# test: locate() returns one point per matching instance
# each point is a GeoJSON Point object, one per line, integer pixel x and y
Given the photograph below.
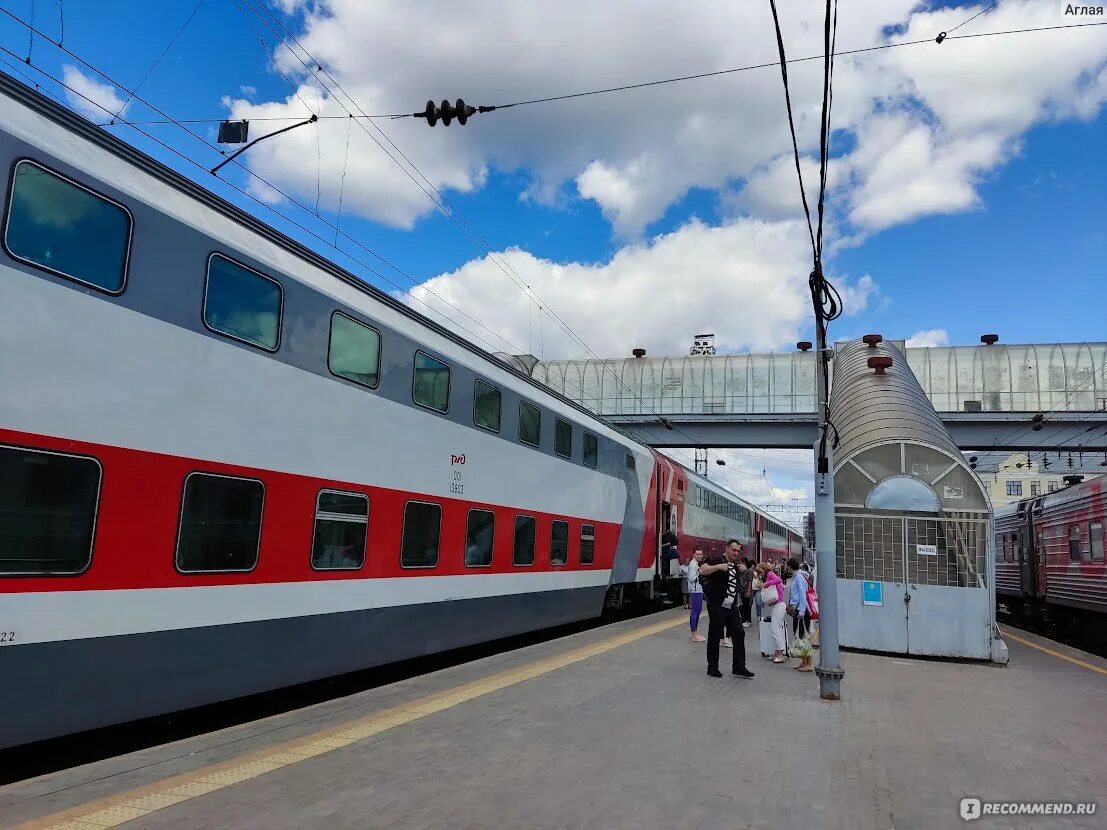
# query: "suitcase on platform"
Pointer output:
{"type": "Point", "coordinates": [765, 632]}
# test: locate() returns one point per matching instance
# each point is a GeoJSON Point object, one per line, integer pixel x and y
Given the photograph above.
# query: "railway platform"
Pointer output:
{"type": "Point", "coordinates": [620, 727]}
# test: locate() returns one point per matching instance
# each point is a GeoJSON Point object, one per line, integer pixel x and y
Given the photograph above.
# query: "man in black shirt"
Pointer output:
{"type": "Point", "coordinates": [719, 578]}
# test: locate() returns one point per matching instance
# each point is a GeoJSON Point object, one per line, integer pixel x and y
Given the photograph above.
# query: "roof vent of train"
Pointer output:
{"type": "Point", "coordinates": [1071, 480]}
{"type": "Point", "coordinates": [804, 345]}
{"type": "Point", "coordinates": [639, 353]}
{"type": "Point", "coordinates": [989, 339]}
{"type": "Point", "coordinates": [871, 340]}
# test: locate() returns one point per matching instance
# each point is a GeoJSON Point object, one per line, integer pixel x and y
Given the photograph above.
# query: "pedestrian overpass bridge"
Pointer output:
{"type": "Point", "coordinates": [1046, 396]}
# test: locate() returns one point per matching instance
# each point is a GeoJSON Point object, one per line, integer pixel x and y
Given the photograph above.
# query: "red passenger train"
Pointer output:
{"type": "Point", "coordinates": [229, 466]}
{"type": "Point", "coordinates": [1049, 553]}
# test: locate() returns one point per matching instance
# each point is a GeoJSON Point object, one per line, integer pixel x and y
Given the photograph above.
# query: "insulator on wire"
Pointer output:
{"type": "Point", "coordinates": [447, 112]}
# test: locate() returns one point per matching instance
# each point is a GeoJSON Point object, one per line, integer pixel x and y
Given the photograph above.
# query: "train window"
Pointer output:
{"type": "Point", "coordinates": [523, 553]}
{"type": "Point", "coordinates": [354, 351]}
{"type": "Point", "coordinates": [480, 530]}
{"type": "Point", "coordinates": [563, 437]}
{"type": "Point", "coordinates": [430, 385]}
{"type": "Point", "coordinates": [242, 303]}
{"type": "Point", "coordinates": [591, 450]}
{"type": "Point", "coordinates": [64, 228]}
{"type": "Point", "coordinates": [220, 524]}
{"type": "Point", "coordinates": [486, 406]}
{"type": "Point", "coordinates": [530, 423]}
{"type": "Point", "coordinates": [559, 543]}
{"type": "Point", "coordinates": [630, 462]}
{"type": "Point", "coordinates": [1074, 543]}
{"type": "Point", "coordinates": [1095, 541]}
{"type": "Point", "coordinates": [341, 524]}
{"type": "Point", "coordinates": [47, 511]}
{"type": "Point", "coordinates": [587, 544]}
{"type": "Point", "coordinates": [422, 529]}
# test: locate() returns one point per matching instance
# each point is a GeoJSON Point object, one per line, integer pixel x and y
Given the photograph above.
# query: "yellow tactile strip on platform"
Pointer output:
{"type": "Point", "coordinates": [127, 806]}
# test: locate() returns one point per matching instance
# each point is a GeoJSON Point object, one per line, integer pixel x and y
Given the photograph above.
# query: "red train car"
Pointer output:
{"type": "Point", "coordinates": [1050, 553]}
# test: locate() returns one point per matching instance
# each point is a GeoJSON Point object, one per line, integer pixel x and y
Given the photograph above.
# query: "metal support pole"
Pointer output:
{"type": "Point", "coordinates": [829, 671]}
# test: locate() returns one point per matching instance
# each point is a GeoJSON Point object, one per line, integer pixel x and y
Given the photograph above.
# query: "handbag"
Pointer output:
{"type": "Point", "coordinates": [812, 603]}
{"type": "Point", "coordinates": [769, 595]}
{"type": "Point", "coordinates": [790, 610]}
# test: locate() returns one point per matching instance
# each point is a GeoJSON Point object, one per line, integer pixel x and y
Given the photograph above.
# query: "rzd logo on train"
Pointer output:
{"type": "Point", "coordinates": [457, 459]}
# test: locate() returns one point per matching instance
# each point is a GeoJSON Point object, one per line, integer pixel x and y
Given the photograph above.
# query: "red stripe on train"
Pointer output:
{"type": "Point", "coordinates": [139, 513]}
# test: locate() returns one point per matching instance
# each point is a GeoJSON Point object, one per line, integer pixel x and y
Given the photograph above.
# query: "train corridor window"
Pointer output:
{"type": "Point", "coordinates": [341, 524]}
{"type": "Point", "coordinates": [523, 553]}
{"type": "Point", "coordinates": [631, 464]}
{"type": "Point", "coordinates": [48, 508]}
{"type": "Point", "coordinates": [1014, 488]}
{"type": "Point", "coordinates": [486, 406]}
{"type": "Point", "coordinates": [220, 524]}
{"type": "Point", "coordinates": [591, 450]}
{"type": "Point", "coordinates": [559, 543]}
{"type": "Point", "coordinates": [587, 544]}
{"type": "Point", "coordinates": [530, 423]}
{"type": "Point", "coordinates": [430, 385]}
{"type": "Point", "coordinates": [1095, 541]}
{"type": "Point", "coordinates": [354, 351]}
{"type": "Point", "coordinates": [422, 531]}
{"type": "Point", "coordinates": [480, 531]}
{"type": "Point", "coordinates": [1074, 543]}
{"type": "Point", "coordinates": [62, 227]}
{"type": "Point", "coordinates": [563, 437]}
{"type": "Point", "coordinates": [242, 303]}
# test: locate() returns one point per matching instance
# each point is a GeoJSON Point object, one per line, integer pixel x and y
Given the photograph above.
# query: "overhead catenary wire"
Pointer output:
{"type": "Point", "coordinates": [659, 82]}
{"type": "Point", "coordinates": [176, 36]}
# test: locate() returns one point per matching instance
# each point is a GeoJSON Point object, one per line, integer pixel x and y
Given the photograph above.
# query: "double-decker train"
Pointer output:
{"type": "Point", "coordinates": [229, 466]}
{"type": "Point", "coordinates": [1049, 554]}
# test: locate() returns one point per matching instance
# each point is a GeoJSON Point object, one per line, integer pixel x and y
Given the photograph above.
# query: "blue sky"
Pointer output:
{"type": "Point", "coordinates": [967, 195]}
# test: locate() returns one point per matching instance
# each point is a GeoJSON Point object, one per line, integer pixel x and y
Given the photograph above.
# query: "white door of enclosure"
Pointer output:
{"type": "Point", "coordinates": [913, 585]}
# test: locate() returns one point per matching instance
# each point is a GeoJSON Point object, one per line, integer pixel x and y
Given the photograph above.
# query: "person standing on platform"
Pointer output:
{"type": "Point", "coordinates": [775, 610]}
{"type": "Point", "coordinates": [797, 609]}
{"type": "Point", "coordinates": [719, 578]}
{"type": "Point", "coordinates": [691, 573]}
{"type": "Point", "coordinates": [745, 587]}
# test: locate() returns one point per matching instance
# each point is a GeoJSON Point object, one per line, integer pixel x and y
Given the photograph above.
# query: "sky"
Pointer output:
{"type": "Point", "coordinates": [964, 191]}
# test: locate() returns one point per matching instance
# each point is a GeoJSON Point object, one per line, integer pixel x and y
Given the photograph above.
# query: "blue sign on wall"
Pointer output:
{"type": "Point", "coordinates": [872, 593]}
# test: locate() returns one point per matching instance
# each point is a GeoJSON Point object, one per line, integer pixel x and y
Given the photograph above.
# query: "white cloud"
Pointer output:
{"type": "Point", "coordinates": [927, 122]}
{"type": "Point", "coordinates": [928, 338]}
{"type": "Point", "coordinates": [248, 91]}
{"type": "Point", "coordinates": [92, 99]}
{"type": "Point", "coordinates": [745, 280]}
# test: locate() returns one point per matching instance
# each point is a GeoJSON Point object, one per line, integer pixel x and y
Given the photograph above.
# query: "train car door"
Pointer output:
{"type": "Point", "coordinates": [1024, 553]}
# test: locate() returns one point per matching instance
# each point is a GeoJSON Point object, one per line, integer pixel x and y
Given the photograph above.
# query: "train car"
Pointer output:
{"type": "Point", "coordinates": [1050, 553]}
{"type": "Point", "coordinates": [229, 466]}
{"type": "Point", "coordinates": [705, 515]}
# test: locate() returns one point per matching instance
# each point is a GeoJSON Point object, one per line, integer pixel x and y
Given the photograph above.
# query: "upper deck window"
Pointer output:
{"type": "Point", "coordinates": [242, 303]}
{"type": "Point", "coordinates": [431, 383]}
{"type": "Point", "coordinates": [58, 225]}
{"type": "Point", "coordinates": [486, 406]}
{"type": "Point", "coordinates": [563, 437]}
{"type": "Point", "coordinates": [591, 450]}
{"type": "Point", "coordinates": [530, 423]}
{"type": "Point", "coordinates": [355, 351]}
{"type": "Point", "coordinates": [47, 511]}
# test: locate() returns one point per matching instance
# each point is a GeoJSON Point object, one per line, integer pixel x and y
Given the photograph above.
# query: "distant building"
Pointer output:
{"type": "Point", "coordinates": [1017, 478]}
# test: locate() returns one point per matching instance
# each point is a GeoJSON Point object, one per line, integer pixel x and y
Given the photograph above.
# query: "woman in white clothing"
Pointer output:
{"type": "Point", "coordinates": [768, 578]}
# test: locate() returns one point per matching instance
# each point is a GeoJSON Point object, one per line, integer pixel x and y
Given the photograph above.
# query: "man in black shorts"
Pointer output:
{"type": "Point", "coordinates": [719, 578]}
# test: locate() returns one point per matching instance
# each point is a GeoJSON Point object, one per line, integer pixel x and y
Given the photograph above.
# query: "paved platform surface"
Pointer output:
{"type": "Point", "coordinates": [619, 727]}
